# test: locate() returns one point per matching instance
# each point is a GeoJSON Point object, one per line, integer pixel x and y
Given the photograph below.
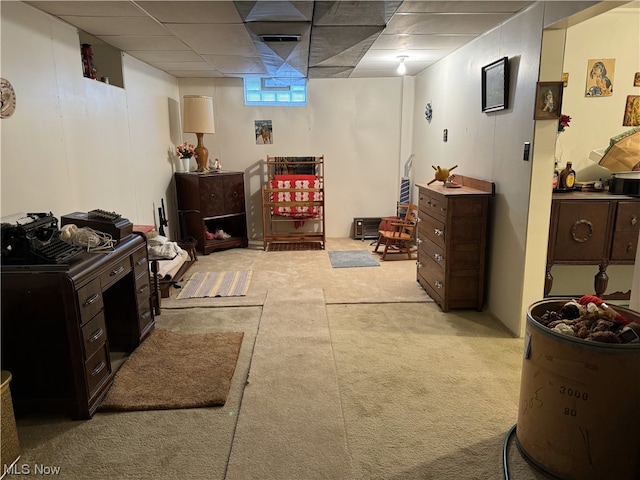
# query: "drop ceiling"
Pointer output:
{"type": "Point", "coordinates": [322, 39]}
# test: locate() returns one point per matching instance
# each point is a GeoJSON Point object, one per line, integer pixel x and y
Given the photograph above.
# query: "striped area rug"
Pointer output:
{"type": "Point", "coordinates": [216, 284]}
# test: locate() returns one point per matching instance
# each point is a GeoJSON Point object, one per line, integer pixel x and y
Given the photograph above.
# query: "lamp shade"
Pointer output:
{"type": "Point", "coordinates": [198, 114]}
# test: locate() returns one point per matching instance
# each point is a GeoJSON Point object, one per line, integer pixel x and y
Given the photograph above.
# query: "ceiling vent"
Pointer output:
{"type": "Point", "coordinates": [280, 38]}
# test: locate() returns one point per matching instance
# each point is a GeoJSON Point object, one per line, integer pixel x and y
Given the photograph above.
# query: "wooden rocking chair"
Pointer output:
{"type": "Point", "coordinates": [400, 235]}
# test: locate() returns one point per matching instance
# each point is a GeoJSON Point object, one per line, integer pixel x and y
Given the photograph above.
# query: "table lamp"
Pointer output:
{"type": "Point", "coordinates": [198, 119]}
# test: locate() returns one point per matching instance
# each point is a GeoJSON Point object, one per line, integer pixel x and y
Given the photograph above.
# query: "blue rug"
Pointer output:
{"type": "Point", "coordinates": [352, 258]}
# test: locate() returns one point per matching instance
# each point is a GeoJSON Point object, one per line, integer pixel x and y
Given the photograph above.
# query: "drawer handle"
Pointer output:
{"type": "Point", "coordinates": [438, 232]}
{"type": "Point", "coordinates": [145, 315]}
{"type": "Point", "coordinates": [143, 288]}
{"type": "Point", "coordinates": [141, 261]}
{"type": "Point", "coordinates": [574, 231]}
{"type": "Point", "coordinates": [118, 270]}
{"type": "Point", "coordinates": [629, 247]}
{"type": "Point", "coordinates": [634, 220]}
{"type": "Point", "coordinates": [212, 196]}
{"type": "Point", "coordinates": [418, 219]}
{"type": "Point", "coordinates": [437, 284]}
{"type": "Point", "coordinates": [418, 241]}
{"type": "Point", "coordinates": [91, 299]}
{"type": "Point", "coordinates": [98, 369]}
{"type": "Point", "coordinates": [437, 256]}
{"type": "Point", "coordinates": [235, 194]}
{"type": "Point", "coordinates": [418, 264]}
{"type": "Point", "coordinates": [96, 335]}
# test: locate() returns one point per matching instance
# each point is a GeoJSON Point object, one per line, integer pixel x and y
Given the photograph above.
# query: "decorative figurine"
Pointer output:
{"type": "Point", "coordinates": [216, 164]}
{"type": "Point", "coordinates": [442, 174]}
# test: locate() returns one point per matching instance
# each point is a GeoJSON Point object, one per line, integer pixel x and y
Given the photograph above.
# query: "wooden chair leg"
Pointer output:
{"type": "Point", "coordinates": [378, 244]}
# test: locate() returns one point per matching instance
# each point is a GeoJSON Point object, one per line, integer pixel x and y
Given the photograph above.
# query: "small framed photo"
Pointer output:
{"type": "Point", "coordinates": [548, 101]}
{"type": "Point", "coordinates": [632, 111]}
{"type": "Point", "coordinates": [495, 85]}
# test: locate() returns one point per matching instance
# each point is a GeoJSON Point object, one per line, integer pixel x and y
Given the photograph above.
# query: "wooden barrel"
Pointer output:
{"type": "Point", "coordinates": [578, 413]}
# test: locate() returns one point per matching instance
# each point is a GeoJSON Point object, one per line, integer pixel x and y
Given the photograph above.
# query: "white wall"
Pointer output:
{"type": "Point", "coordinates": [76, 144]}
{"type": "Point", "coordinates": [354, 123]}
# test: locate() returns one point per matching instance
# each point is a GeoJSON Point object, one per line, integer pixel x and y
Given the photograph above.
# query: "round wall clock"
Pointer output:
{"type": "Point", "coordinates": [7, 98]}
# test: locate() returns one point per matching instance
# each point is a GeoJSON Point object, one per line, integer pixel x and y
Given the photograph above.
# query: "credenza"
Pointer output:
{"type": "Point", "coordinates": [593, 228]}
{"type": "Point", "coordinates": [213, 201]}
{"type": "Point", "coordinates": [452, 236]}
{"type": "Point", "coordinates": [63, 325]}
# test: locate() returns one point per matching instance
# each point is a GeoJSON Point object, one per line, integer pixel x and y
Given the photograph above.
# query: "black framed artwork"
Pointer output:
{"type": "Point", "coordinates": [548, 101]}
{"type": "Point", "coordinates": [495, 85]}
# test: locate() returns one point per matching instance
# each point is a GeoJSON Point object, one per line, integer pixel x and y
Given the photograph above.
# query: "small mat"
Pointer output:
{"type": "Point", "coordinates": [216, 284]}
{"type": "Point", "coordinates": [176, 370]}
{"type": "Point", "coordinates": [293, 246]}
{"type": "Point", "coordinates": [352, 258]}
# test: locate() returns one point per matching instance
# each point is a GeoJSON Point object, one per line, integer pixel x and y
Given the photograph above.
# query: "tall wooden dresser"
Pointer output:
{"type": "Point", "coordinates": [452, 233]}
{"type": "Point", "coordinates": [213, 201]}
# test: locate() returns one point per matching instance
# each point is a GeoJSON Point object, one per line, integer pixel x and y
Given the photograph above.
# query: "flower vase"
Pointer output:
{"type": "Point", "coordinates": [557, 153]}
{"type": "Point", "coordinates": [186, 163]}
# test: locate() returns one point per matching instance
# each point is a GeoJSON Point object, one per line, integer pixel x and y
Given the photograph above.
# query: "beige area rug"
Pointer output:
{"type": "Point", "coordinates": [216, 284]}
{"type": "Point", "coordinates": [176, 370]}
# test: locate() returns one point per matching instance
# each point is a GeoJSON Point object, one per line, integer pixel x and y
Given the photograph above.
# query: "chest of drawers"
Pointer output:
{"type": "Point", "coordinates": [213, 201]}
{"type": "Point", "coordinates": [452, 232]}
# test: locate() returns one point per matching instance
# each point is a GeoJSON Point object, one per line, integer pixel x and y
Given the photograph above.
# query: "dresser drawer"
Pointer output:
{"type": "Point", "coordinates": [90, 300]}
{"type": "Point", "coordinates": [433, 205]}
{"type": "Point", "coordinates": [140, 261]}
{"type": "Point", "coordinates": [582, 231]}
{"type": "Point", "coordinates": [115, 273]}
{"type": "Point", "coordinates": [94, 335]}
{"type": "Point", "coordinates": [428, 249]}
{"type": "Point", "coordinates": [97, 369]}
{"type": "Point", "coordinates": [432, 229]}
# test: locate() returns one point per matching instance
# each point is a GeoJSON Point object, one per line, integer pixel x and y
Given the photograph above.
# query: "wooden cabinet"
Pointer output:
{"type": "Point", "coordinates": [452, 232]}
{"type": "Point", "coordinates": [592, 229]}
{"type": "Point", "coordinates": [62, 323]}
{"type": "Point", "coordinates": [213, 201]}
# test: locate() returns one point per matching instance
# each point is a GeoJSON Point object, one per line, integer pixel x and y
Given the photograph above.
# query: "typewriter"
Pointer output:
{"type": "Point", "coordinates": [34, 239]}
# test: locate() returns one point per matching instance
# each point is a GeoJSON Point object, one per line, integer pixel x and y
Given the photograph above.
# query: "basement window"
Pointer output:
{"type": "Point", "coordinates": [275, 91]}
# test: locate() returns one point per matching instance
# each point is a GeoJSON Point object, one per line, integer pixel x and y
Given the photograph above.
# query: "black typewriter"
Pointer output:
{"type": "Point", "coordinates": [34, 239]}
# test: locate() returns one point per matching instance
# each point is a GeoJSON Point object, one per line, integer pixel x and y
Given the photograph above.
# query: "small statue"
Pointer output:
{"type": "Point", "coordinates": [442, 174]}
{"type": "Point", "coordinates": [216, 164]}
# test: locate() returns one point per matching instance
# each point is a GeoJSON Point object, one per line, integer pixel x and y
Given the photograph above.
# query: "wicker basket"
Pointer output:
{"type": "Point", "coordinates": [10, 447]}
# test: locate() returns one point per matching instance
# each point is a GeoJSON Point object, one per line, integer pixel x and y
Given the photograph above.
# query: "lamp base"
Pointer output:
{"type": "Point", "coordinates": [202, 154]}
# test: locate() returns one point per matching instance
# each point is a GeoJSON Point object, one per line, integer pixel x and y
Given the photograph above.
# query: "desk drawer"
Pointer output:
{"type": "Point", "coordinates": [143, 286]}
{"type": "Point", "coordinates": [145, 315]}
{"type": "Point", "coordinates": [115, 273]}
{"type": "Point", "coordinates": [428, 249]}
{"type": "Point", "coordinates": [140, 261]}
{"type": "Point", "coordinates": [90, 300]}
{"type": "Point", "coordinates": [97, 369]}
{"type": "Point", "coordinates": [94, 335]}
{"type": "Point", "coordinates": [433, 205]}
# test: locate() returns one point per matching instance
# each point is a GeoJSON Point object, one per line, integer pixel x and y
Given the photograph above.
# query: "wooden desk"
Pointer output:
{"type": "Point", "coordinates": [62, 323]}
{"type": "Point", "coordinates": [593, 228]}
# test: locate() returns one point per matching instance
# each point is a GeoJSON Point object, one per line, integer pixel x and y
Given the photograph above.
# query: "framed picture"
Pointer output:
{"type": "Point", "coordinates": [600, 77]}
{"type": "Point", "coordinates": [495, 85]}
{"type": "Point", "coordinates": [632, 111]}
{"type": "Point", "coordinates": [548, 101]}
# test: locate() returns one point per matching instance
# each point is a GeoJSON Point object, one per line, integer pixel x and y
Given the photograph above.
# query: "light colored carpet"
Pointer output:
{"type": "Point", "coordinates": [354, 376]}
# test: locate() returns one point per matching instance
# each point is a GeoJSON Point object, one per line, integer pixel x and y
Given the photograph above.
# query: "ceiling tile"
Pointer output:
{"type": "Point", "coordinates": [160, 56]}
{"type": "Point", "coordinates": [422, 23]}
{"type": "Point", "coordinates": [192, 12]}
{"type": "Point", "coordinates": [140, 42]}
{"type": "Point", "coordinates": [440, 42]}
{"type": "Point", "coordinates": [98, 26]}
{"type": "Point", "coordinates": [233, 65]}
{"type": "Point", "coordinates": [216, 39]}
{"type": "Point", "coordinates": [90, 9]}
{"type": "Point", "coordinates": [462, 7]}
{"type": "Point", "coordinates": [280, 10]}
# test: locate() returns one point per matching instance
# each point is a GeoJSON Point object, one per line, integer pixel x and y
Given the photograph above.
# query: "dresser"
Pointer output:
{"type": "Point", "coordinates": [213, 201]}
{"type": "Point", "coordinates": [593, 228]}
{"type": "Point", "coordinates": [62, 325]}
{"type": "Point", "coordinates": [452, 237]}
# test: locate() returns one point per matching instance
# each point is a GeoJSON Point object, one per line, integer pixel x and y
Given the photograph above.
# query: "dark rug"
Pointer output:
{"type": "Point", "coordinates": [352, 258]}
{"type": "Point", "coordinates": [293, 246]}
{"type": "Point", "coordinates": [176, 370]}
